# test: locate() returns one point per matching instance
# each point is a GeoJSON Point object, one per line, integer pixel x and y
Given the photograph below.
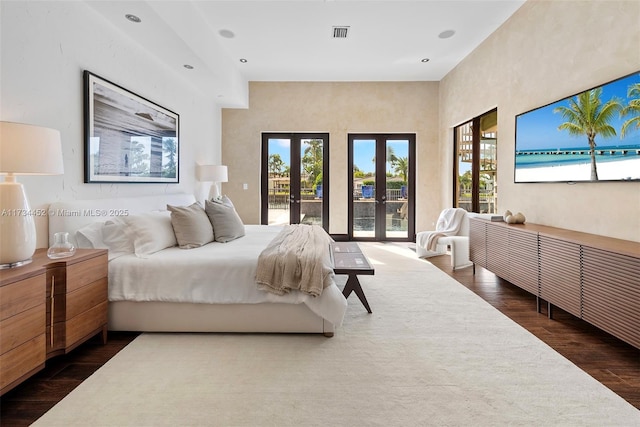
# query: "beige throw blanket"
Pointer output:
{"type": "Point", "coordinates": [296, 259]}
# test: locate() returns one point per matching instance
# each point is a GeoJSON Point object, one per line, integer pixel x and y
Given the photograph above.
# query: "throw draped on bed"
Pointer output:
{"type": "Point", "coordinates": [296, 259]}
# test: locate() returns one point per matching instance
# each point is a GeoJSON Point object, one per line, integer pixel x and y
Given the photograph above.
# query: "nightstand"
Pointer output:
{"type": "Point", "coordinates": [49, 307]}
{"type": "Point", "coordinates": [76, 300]}
{"type": "Point", "coordinates": [22, 323]}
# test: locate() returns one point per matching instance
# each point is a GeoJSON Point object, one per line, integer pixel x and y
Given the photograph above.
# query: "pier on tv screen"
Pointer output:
{"type": "Point", "coordinates": [592, 136]}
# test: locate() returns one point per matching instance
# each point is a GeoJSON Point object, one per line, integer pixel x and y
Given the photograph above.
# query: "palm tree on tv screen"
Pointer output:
{"type": "Point", "coordinates": [631, 109]}
{"type": "Point", "coordinates": [587, 115]}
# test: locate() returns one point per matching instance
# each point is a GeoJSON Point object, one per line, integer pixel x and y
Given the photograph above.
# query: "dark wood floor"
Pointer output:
{"type": "Point", "coordinates": [609, 360]}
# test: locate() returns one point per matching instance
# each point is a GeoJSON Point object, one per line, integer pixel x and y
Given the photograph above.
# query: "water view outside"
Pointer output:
{"type": "Point", "coordinates": [283, 197]}
{"type": "Point", "coordinates": [367, 198]}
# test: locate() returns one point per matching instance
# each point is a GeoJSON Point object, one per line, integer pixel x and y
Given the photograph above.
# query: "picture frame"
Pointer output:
{"type": "Point", "coordinates": [128, 139]}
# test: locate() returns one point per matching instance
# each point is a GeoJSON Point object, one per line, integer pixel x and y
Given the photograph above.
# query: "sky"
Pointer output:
{"type": "Point", "coordinates": [538, 129]}
{"type": "Point", "coordinates": [364, 151]}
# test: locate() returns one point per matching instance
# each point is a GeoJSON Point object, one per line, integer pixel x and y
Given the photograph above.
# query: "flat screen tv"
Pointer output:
{"type": "Point", "coordinates": [592, 136]}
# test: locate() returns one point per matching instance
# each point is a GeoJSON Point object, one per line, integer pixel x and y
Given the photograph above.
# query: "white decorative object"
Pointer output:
{"type": "Point", "coordinates": [24, 150]}
{"type": "Point", "coordinates": [214, 174]}
{"type": "Point", "coordinates": [511, 218]}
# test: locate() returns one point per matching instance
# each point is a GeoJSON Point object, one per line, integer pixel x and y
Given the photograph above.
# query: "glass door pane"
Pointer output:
{"type": "Point", "coordinates": [464, 184]}
{"type": "Point", "coordinates": [295, 179]}
{"type": "Point", "coordinates": [383, 176]}
{"type": "Point", "coordinates": [488, 166]}
{"type": "Point", "coordinates": [279, 188]}
{"type": "Point", "coordinates": [364, 181]}
{"type": "Point", "coordinates": [396, 198]}
{"type": "Point", "coordinates": [476, 144]}
{"type": "Point", "coordinates": [311, 167]}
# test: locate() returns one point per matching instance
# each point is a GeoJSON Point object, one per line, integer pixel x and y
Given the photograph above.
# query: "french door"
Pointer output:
{"type": "Point", "coordinates": [381, 187]}
{"type": "Point", "coordinates": [295, 179]}
{"type": "Point", "coordinates": [475, 164]}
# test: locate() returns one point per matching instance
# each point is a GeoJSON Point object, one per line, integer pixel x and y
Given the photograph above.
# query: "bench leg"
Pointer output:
{"type": "Point", "coordinates": [353, 285]}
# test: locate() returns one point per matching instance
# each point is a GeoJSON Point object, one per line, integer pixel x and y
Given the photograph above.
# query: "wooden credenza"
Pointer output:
{"type": "Point", "coordinates": [593, 277]}
{"type": "Point", "coordinates": [49, 307]}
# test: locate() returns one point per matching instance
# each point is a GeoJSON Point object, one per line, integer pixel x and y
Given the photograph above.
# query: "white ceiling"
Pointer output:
{"type": "Point", "coordinates": [292, 40]}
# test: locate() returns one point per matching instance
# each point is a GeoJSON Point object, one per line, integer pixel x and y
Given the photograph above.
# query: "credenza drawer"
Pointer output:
{"type": "Point", "coordinates": [86, 323]}
{"type": "Point", "coordinates": [22, 327]}
{"type": "Point", "coordinates": [22, 360]}
{"type": "Point", "coordinates": [21, 296]}
{"type": "Point", "coordinates": [86, 298]}
{"type": "Point", "coordinates": [83, 273]}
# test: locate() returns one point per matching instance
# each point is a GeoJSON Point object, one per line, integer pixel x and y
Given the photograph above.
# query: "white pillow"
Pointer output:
{"type": "Point", "coordinates": [90, 236]}
{"type": "Point", "coordinates": [117, 238]}
{"type": "Point", "coordinates": [151, 231]}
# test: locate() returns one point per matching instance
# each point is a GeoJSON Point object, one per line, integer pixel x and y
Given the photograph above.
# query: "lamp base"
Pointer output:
{"type": "Point", "coordinates": [15, 264]}
{"type": "Point", "coordinates": [214, 191]}
{"type": "Point", "coordinates": [17, 225]}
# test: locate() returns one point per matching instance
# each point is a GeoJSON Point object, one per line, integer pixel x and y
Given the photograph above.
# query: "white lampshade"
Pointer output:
{"type": "Point", "coordinates": [24, 150]}
{"type": "Point", "coordinates": [211, 173]}
{"type": "Point", "coordinates": [214, 174]}
{"type": "Point", "coordinates": [29, 150]}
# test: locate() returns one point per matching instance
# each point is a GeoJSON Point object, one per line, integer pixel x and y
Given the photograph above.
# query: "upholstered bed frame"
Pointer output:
{"type": "Point", "coordinates": [180, 317]}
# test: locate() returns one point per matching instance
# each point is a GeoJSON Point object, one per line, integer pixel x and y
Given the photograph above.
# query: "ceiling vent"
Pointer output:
{"type": "Point", "coordinates": [340, 32]}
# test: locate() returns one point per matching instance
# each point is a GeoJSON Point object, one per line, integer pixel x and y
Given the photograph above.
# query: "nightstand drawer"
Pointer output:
{"type": "Point", "coordinates": [86, 298]}
{"type": "Point", "coordinates": [21, 296]}
{"type": "Point", "coordinates": [86, 324]}
{"type": "Point", "coordinates": [22, 361]}
{"type": "Point", "coordinates": [83, 273]}
{"type": "Point", "coordinates": [22, 327]}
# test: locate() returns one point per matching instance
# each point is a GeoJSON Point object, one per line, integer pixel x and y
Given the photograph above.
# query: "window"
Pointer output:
{"type": "Point", "coordinates": [475, 166]}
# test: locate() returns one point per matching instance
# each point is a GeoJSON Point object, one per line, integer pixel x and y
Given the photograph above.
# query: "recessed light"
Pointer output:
{"type": "Point", "coordinates": [446, 34]}
{"type": "Point", "coordinates": [188, 67]}
{"type": "Point", "coordinates": [133, 18]}
{"type": "Point", "coordinates": [424, 60]}
{"type": "Point", "coordinates": [227, 34]}
{"type": "Point", "coordinates": [244, 61]}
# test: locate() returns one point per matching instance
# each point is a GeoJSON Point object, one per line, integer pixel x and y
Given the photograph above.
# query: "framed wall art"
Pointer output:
{"type": "Point", "coordinates": [128, 139]}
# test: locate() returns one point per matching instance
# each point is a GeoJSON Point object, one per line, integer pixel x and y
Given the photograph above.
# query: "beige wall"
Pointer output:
{"type": "Point", "coordinates": [546, 51]}
{"type": "Point", "coordinates": [339, 109]}
{"type": "Point", "coordinates": [549, 50]}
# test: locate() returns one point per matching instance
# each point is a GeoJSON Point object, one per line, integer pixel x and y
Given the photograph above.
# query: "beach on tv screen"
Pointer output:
{"type": "Point", "coordinates": [590, 136]}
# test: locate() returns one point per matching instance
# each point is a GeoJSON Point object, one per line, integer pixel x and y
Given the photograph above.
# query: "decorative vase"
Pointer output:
{"type": "Point", "coordinates": [61, 247]}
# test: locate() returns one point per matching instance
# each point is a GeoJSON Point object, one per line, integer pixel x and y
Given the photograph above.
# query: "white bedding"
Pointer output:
{"type": "Point", "coordinates": [203, 275]}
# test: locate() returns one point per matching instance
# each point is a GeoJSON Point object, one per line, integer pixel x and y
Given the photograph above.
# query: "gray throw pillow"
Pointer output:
{"type": "Point", "coordinates": [191, 226]}
{"type": "Point", "coordinates": [226, 222]}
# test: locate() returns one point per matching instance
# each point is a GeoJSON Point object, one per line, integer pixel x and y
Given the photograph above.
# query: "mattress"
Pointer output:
{"type": "Point", "coordinates": [216, 273]}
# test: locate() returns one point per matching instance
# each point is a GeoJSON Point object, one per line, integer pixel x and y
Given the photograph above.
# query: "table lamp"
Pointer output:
{"type": "Point", "coordinates": [24, 150]}
{"type": "Point", "coordinates": [214, 174]}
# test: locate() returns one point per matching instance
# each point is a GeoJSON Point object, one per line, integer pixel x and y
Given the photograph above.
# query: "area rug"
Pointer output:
{"type": "Point", "coordinates": [432, 353]}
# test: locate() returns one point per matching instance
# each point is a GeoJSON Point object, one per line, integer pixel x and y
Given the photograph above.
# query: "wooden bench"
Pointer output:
{"type": "Point", "coordinates": [349, 259]}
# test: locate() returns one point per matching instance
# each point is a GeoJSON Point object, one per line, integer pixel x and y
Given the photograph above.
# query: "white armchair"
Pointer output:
{"type": "Point", "coordinates": [452, 230]}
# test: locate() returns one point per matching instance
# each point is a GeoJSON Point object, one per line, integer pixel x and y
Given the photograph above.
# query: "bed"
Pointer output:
{"type": "Point", "coordinates": [169, 290]}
